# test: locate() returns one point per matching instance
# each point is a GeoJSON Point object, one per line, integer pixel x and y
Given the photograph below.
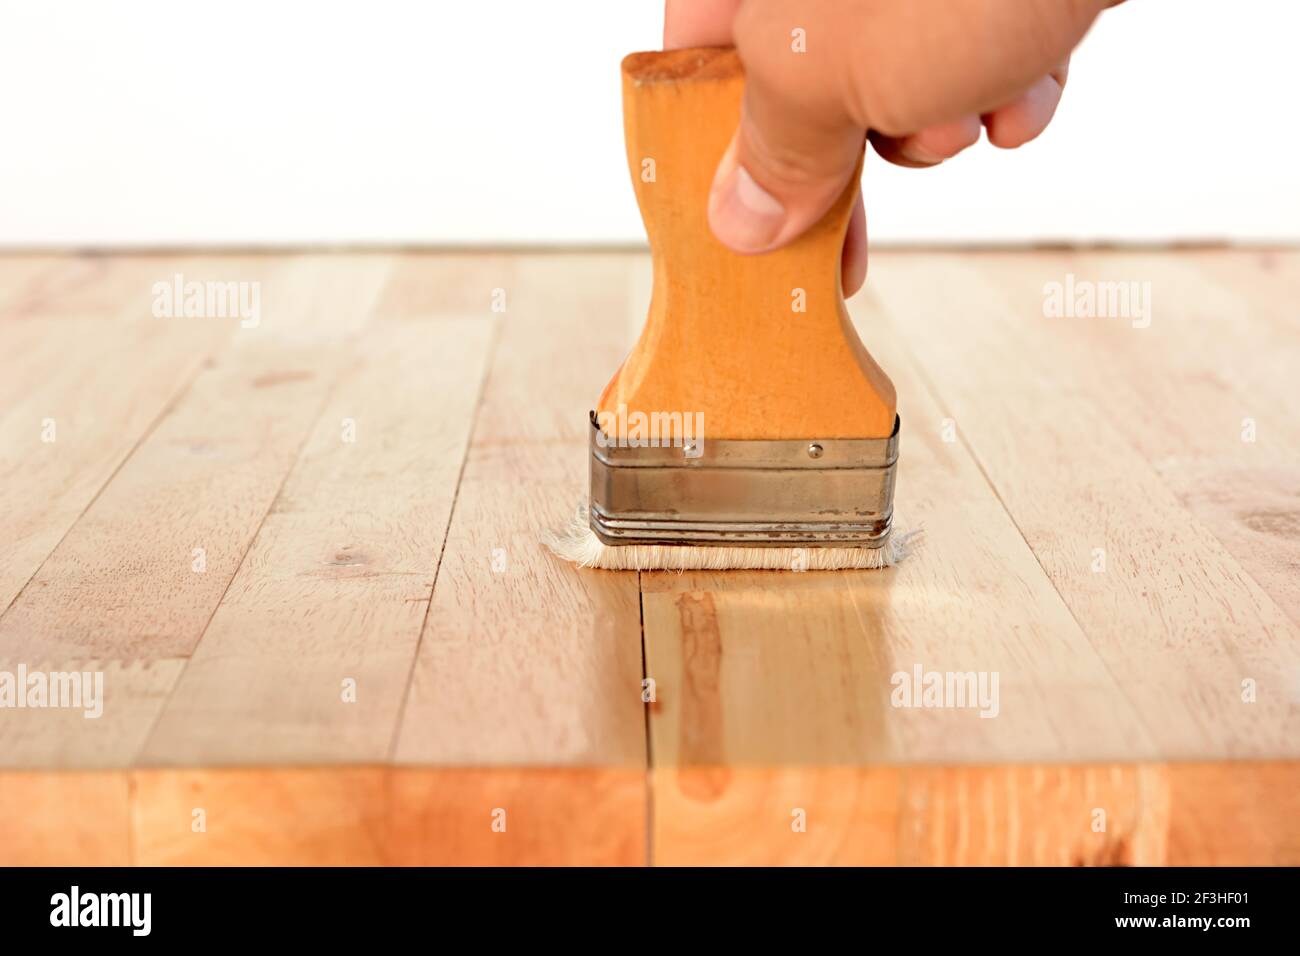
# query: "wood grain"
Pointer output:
{"type": "Point", "coordinates": [21, 278]}
{"type": "Point", "coordinates": [805, 670]}
{"type": "Point", "coordinates": [516, 685]}
{"type": "Point", "coordinates": [123, 592]}
{"type": "Point", "coordinates": [1063, 815]}
{"type": "Point", "coordinates": [65, 818]}
{"type": "Point", "coordinates": [70, 420]}
{"type": "Point", "coordinates": [526, 660]}
{"type": "Point", "coordinates": [802, 678]}
{"type": "Point", "coordinates": [1225, 338]}
{"type": "Point", "coordinates": [319, 627]}
{"type": "Point", "coordinates": [373, 816]}
{"type": "Point", "coordinates": [123, 583]}
{"type": "Point", "coordinates": [1174, 616]}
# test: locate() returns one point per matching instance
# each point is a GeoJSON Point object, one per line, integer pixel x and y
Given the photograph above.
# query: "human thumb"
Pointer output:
{"type": "Point", "coordinates": [793, 152]}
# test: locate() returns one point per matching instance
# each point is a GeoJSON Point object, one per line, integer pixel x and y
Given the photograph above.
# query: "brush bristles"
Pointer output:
{"type": "Point", "coordinates": [578, 544]}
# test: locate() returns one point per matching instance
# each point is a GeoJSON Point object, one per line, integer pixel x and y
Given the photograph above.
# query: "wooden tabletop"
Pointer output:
{"type": "Point", "coordinates": [304, 555]}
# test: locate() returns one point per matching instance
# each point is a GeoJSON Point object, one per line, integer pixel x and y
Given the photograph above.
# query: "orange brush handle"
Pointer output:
{"type": "Point", "coordinates": [761, 346]}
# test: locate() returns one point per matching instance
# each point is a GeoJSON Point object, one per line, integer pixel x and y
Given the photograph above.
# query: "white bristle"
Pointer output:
{"type": "Point", "coordinates": [578, 544]}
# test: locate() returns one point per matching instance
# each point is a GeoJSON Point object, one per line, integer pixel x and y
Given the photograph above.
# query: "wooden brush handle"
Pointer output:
{"type": "Point", "coordinates": [724, 336]}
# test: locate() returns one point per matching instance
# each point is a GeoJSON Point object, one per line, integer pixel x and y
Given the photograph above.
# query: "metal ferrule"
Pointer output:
{"type": "Point", "coordinates": [836, 492]}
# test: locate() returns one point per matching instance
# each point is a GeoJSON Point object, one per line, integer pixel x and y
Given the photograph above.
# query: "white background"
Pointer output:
{"type": "Point", "coordinates": [230, 122]}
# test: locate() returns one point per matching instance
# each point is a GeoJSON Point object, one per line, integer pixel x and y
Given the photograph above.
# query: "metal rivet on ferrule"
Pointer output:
{"type": "Point", "coordinates": [814, 450]}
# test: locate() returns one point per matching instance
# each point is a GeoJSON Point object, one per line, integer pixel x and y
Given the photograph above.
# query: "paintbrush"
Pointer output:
{"type": "Point", "coordinates": [749, 427]}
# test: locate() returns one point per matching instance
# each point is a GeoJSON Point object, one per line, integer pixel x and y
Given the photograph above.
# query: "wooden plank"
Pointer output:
{"type": "Point", "coordinates": [319, 628]}
{"type": "Point", "coordinates": [85, 283]}
{"type": "Point", "coordinates": [293, 817]}
{"type": "Point", "coordinates": [1235, 814]}
{"type": "Point", "coordinates": [525, 660]}
{"type": "Point", "coordinates": [790, 679]}
{"type": "Point", "coordinates": [748, 705]}
{"type": "Point", "coordinates": [552, 816]}
{"type": "Point", "coordinates": [103, 731]}
{"type": "Point", "coordinates": [121, 593]}
{"type": "Point", "coordinates": [79, 818]}
{"type": "Point", "coordinates": [447, 284]}
{"type": "Point", "coordinates": [770, 698]}
{"type": "Point", "coordinates": [371, 816]}
{"type": "Point", "coordinates": [122, 583]}
{"type": "Point", "coordinates": [908, 816]}
{"type": "Point", "coordinates": [1180, 815]}
{"type": "Point", "coordinates": [800, 668]}
{"type": "Point", "coordinates": [20, 277]}
{"type": "Point", "coordinates": [1231, 353]}
{"type": "Point", "coordinates": [1178, 622]}
{"type": "Point", "coordinates": [72, 416]}
{"type": "Point", "coordinates": [1219, 814]}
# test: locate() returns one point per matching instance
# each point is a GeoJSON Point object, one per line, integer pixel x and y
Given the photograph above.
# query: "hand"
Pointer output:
{"type": "Point", "coordinates": [918, 78]}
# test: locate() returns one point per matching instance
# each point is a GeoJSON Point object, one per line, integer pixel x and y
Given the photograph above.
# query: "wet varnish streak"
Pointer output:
{"type": "Point", "coordinates": [701, 704]}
